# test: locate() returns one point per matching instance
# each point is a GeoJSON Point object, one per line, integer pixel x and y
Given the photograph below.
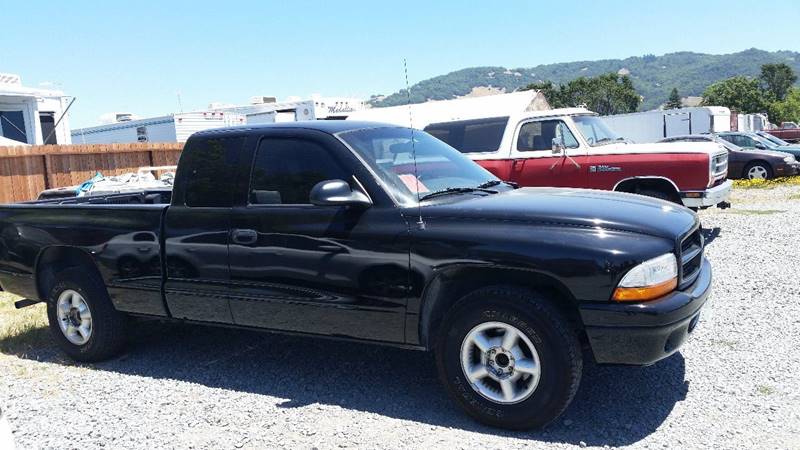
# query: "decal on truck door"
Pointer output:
{"type": "Point", "coordinates": [604, 168]}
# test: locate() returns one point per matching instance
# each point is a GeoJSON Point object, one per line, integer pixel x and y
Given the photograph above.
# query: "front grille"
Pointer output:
{"type": "Point", "coordinates": [691, 258]}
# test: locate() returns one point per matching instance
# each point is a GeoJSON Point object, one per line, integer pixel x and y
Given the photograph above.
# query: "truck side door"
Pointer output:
{"type": "Point", "coordinates": [196, 229]}
{"type": "Point", "coordinates": [535, 163]}
{"type": "Point", "coordinates": [299, 267]}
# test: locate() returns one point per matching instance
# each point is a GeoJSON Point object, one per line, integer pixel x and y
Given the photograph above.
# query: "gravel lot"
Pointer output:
{"type": "Point", "coordinates": [736, 384]}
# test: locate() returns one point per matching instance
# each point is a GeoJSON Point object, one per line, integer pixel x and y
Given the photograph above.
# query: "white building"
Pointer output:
{"type": "Point", "coordinates": [32, 116]}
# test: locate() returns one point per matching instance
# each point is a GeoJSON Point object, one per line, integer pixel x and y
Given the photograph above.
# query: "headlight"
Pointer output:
{"type": "Point", "coordinates": [650, 279]}
{"type": "Point", "coordinates": [789, 159]}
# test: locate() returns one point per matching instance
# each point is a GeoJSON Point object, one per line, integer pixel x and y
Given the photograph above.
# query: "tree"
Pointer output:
{"type": "Point", "coordinates": [605, 94]}
{"type": "Point", "coordinates": [739, 93]}
{"type": "Point", "coordinates": [777, 79]}
{"type": "Point", "coordinates": [787, 110]}
{"type": "Point", "coordinates": [674, 101]}
{"type": "Point", "coordinates": [550, 92]}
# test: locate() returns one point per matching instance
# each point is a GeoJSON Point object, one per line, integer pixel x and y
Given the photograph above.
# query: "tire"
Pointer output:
{"type": "Point", "coordinates": [80, 291]}
{"type": "Point", "coordinates": [758, 170]}
{"type": "Point", "coordinates": [539, 324]}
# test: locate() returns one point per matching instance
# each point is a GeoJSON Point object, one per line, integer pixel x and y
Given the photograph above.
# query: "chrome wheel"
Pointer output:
{"type": "Point", "coordinates": [500, 362]}
{"type": "Point", "coordinates": [74, 317]}
{"type": "Point", "coordinates": [757, 173]}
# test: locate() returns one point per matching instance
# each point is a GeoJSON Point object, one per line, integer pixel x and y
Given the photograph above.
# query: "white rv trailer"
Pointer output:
{"type": "Point", "coordinates": [31, 115]}
{"type": "Point", "coordinates": [171, 128]}
{"type": "Point", "coordinates": [424, 114]}
{"type": "Point", "coordinates": [266, 110]}
{"type": "Point", "coordinates": [751, 122]}
{"type": "Point", "coordinates": [178, 127]}
{"type": "Point", "coordinates": [652, 126]}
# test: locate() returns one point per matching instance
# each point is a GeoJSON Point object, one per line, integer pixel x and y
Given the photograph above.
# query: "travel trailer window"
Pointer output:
{"type": "Point", "coordinates": [48, 121]}
{"type": "Point", "coordinates": [539, 135]}
{"type": "Point", "coordinates": [12, 126]}
{"type": "Point", "coordinates": [471, 136]}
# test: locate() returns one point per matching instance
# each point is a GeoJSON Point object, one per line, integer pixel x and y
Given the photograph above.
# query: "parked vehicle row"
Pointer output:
{"type": "Point", "coordinates": [747, 162]}
{"type": "Point", "coordinates": [788, 131]}
{"type": "Point", "coordinates": [385, 234]}
{"type": "Point", "coordinates": [573, 147]}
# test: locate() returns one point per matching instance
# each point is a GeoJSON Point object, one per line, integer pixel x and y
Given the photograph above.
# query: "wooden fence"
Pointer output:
{"type": "Point", "coordinates": [26, 171]}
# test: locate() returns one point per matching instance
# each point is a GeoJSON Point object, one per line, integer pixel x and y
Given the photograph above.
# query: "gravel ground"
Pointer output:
{"type": "Point", "coordinates": [736, 384]}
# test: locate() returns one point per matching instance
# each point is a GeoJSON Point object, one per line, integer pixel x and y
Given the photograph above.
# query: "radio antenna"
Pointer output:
{"type": "Point", "coordinates": [420, 222]}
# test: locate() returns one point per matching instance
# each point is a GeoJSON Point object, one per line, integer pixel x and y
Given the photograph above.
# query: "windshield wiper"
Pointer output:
{"type": "Point", "coordinates": [493, 183]}
{"type": "Point", "coordinates": [456, 190]}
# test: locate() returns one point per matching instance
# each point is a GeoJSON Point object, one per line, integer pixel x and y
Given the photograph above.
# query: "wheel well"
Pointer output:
{"type": "Point", "coordinates": [637, 185]}
{"type": "Point", "coordinates": [444, 291]}
{"type": "Point", "coordinates": [56, 259]}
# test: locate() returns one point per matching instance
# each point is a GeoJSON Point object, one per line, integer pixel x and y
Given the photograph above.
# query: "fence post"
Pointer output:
{"type": "Point", "coordinates": [46, 171]}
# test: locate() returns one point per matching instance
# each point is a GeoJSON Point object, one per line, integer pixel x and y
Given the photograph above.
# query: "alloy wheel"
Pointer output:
{"type": "Point", "coordinates": [74, 317]}
{"type": "Point", "coordinates": [500, 362]}
{"type": "Point", "coordinates": [757, 173]}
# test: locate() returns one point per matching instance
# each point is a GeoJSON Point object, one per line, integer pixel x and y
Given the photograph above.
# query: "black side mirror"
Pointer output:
{"type": "Point", "coordinates": [760, 146]}
{"type": "Point", "coordinates": [338, 193]}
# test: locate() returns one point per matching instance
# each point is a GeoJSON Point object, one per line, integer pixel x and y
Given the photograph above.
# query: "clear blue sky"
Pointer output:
{"type": "Point", "coordinates": [135, 56]}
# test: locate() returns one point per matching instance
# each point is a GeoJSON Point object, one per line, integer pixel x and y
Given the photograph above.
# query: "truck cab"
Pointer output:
{"type": "Point", "coordinates": [573, 147]}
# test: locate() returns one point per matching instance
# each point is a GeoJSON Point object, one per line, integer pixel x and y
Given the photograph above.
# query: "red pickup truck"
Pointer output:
{"type": "Point", "coordinates": [573, 147]}
{"type": "Point", "coordinates": [789, 132]}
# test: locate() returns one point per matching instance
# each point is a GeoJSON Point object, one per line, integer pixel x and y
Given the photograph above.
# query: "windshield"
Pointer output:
{"type": "Point", "coordinates": [390, 154]}
{"type": "Point", "coordinates": [772, 138]}
{"type": "Point", "coordinates": [595, 131]}
{"type": "Point", "coordinates": [767, 143]}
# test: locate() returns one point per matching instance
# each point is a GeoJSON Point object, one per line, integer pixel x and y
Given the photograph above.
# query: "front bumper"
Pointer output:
{"type": "Point", "coordinates": [643, 333]}
{"type": "Point", "coordinates": [786, 170]}
{"type": "Point", "coordinates": [709, 197]}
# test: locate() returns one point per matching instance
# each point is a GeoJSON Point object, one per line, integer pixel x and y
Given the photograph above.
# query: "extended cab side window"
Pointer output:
{"type": "Point", "coordinates": [213, 171]}
{"type": "Point", "coordinates": [285, 171]}
{"type": "Point", "coordinates": [539, 135]}
{"type": "Point", "coordinates": [471, 136]}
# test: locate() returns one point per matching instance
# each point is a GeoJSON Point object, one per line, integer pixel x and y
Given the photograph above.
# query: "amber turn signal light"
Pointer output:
{"type": "Point", "coordinates": [641, 294]}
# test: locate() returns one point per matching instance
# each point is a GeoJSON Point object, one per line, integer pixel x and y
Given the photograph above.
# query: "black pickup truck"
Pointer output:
{"type": "Point", "coordinates": [374, 233]}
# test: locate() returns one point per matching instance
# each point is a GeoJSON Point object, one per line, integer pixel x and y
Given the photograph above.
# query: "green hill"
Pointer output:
{"type": "Point", "coordinates": [653, 76]}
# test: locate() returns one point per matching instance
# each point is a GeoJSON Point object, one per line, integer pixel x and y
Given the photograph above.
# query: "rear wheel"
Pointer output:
{"type": "Point", "coordinates": [758, 171]}
{"type": "Point", "coordinates": [509, 358]}
{"type": "Point", "coordinates": [82, 319]}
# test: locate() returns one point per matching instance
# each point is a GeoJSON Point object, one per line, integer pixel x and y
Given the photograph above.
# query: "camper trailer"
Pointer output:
{"type": "Point", "coordinates": [652, 126]}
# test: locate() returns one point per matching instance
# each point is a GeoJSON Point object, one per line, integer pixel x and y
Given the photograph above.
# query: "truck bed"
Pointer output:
{"type": "Point", "coordinates": [122, 233]}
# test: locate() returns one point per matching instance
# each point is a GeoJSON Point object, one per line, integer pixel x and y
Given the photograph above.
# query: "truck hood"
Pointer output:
{"type": "Point", "coordinates": [709, 148]}
{"type": "Point", "coordinates": [574, 207]}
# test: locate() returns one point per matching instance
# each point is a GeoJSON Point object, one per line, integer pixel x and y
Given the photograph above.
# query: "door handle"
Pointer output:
{"type": "Point", "coordinates": [244, 237]}
{"type": "Point", "coordinates": [517, 162]}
